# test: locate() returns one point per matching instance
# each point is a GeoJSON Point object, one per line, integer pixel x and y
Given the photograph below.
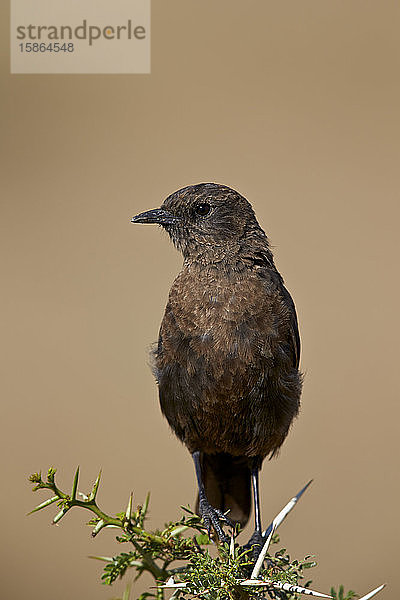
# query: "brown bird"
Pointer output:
{"type": "Point", "coordinates": [227, 361]}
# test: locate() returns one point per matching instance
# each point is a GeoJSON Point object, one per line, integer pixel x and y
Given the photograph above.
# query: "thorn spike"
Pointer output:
{"type": "Point", "coordinates": [98, 528]}
{"type": "Point", "coordinates": [44, 504]}
{"type": "Point", "coordinates": [127, 591]}
{"type": "Point", "coordinates": [261, 556]}
{"type": "Point", "coordinates": [285, 510]}
{"type": "Point", "coordinates": [93, 493]}
{"type": "Point", "coordinates": [75, 484]}
{"type": "Point", "coordinates": [145, 505]}
{"type": "Point", "coordinates": [232, 547]}
{"type": "Point", "coordinates": [128, 512]}
{"type": "Point", "coordinates": [60, 515]}
{"type": "Point", "coordinates": [301, 492]}
{"type": "Point", "coordinates": [289, 587]}
{"type": "Point", "coordinates": [371, 594]}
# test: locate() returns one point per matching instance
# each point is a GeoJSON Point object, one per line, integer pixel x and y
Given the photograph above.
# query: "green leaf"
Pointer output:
{"type": "Point", "coordinates": [51, 474]}
{"type": "Point", "coordinates": [202, 539]}
{"type": "Point", "coordinates": [309, 565]}
{"type": "Point", "coordinates": [35, 477]}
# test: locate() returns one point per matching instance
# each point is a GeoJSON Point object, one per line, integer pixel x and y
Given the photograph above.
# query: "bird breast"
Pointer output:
{"type": "Point", "coordinates": [224, 326]}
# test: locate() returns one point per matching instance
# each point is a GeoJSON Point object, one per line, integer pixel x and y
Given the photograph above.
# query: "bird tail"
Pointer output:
{"type": "Point", "coordinates": [227, 481]}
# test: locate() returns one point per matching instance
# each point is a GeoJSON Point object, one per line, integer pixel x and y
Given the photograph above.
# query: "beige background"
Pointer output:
{"type": "Point", "coordinates": [295, 104]}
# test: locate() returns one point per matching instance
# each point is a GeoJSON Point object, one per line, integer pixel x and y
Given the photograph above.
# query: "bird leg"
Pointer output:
{"type": "Point", "coordinates": [256, 540]}
{"type": "Point", "coordinates": [211, 516]}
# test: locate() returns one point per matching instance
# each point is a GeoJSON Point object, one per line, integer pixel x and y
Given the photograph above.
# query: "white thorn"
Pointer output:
{"type": "Point", "coordinates": [286, 509]}
{"type": "Point", "coordinates": [299, 590]}
{"type": "Point", "coordinates": [128, 512]}
{"type": "Point", "coordinates": [284, 586]}
{"type": "Point", "coordinates": [232, 547]}
{"type": "Point", "coordinates": [273, 526]}
{"type": "Point", "coordinates": [375, 591]}
{"type": "Point", "coordinates": [173, 585]}
{"type": "Point", "coordinates": [261, 556]}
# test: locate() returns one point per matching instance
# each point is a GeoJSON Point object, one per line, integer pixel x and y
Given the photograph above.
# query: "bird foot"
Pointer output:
{"type": "Point", "coordinates": [255, 544]}
{"type": "Point", "coordinates": [213, 517]}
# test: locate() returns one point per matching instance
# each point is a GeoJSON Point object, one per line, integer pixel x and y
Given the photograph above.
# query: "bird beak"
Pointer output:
{"type": "Point", "coordinates": [158, 215]}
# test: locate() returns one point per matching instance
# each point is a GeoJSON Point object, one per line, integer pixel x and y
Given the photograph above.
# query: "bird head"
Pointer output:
{"type": "Point", "coordinates": [207, 219]}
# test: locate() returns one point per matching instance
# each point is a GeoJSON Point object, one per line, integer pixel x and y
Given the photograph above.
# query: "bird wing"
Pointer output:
{"type": "Point", "coordinates": [262, 262]}
{"type": "Point", "coordinates": [294, 326]}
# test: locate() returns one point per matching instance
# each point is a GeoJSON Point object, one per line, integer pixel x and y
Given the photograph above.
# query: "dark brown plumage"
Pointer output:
{"type": "Point", "coordinates": [228, 353]}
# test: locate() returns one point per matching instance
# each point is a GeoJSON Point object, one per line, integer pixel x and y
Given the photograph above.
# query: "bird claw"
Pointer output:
{"type": "Point", "coordinates": [225, 518]}
{"type": "Point", "coordinates": [255, 544]}
{"type": "Point", "coordinates": [213, 517]}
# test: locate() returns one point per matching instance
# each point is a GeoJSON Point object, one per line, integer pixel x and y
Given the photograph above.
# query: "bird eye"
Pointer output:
{"type": "Point", "coordinates": [203, 209]}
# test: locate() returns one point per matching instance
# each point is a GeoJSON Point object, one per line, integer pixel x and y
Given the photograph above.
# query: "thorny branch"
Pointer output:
{"type": "Point", "coordinates": [230, 575]}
